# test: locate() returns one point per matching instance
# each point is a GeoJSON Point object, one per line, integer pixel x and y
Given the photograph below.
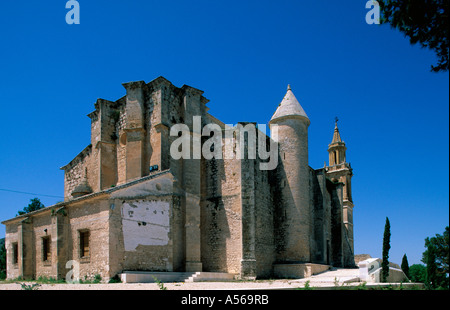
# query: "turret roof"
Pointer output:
{"type": "Point", "coordinates": [289, 107]}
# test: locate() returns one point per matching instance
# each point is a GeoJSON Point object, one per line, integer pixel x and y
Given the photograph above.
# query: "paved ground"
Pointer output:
{"type": "Point", "coordinates": [327, 280]}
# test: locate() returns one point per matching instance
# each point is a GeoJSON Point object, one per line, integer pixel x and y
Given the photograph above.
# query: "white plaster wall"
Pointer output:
{"type": "Point", "coordinates": [145, 223]}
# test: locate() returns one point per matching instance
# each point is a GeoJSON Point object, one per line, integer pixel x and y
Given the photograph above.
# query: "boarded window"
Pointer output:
{"type": "Point", "coordinates": [84, 243]}
{"type": "Point", "coordinates": [46, 249]}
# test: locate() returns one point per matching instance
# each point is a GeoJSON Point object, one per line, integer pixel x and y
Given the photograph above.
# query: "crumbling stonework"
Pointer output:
{"type": "Point", "coordinates": [130, 205]}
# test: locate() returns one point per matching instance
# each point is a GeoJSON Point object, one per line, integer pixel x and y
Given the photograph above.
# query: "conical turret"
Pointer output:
{"type": "Point", "coordinates": [293, 213]}
{"type": "Point", "coordinates": [289, 108]}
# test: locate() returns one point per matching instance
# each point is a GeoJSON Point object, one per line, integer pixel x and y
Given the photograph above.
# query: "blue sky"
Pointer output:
{"type": "Point", "coordinates": [394, 113]}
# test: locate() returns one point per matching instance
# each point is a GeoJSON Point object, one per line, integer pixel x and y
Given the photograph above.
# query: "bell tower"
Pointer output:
{"type": "Point", "coordinates": [339, 170]}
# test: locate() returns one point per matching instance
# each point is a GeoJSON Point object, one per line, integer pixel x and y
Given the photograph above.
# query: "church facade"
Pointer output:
{"type": "Point", "coordinates": [130, 205]}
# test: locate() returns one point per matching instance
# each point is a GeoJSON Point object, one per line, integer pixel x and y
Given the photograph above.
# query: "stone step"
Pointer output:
{"type": "Point", "coordinates": [210, 277]}
{"type": "Point", "coordinates": [152, 277]}
{"type": "Point", "coordinates": [166, 277]}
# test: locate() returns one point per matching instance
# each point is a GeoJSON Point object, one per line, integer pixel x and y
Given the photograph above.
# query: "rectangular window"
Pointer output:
{"type": "Point", "coordinates": [15, 253]}
{"type": "Point", "coordinates": [46, 249]}
{"type": "Point", "coordinates": [84, 243]}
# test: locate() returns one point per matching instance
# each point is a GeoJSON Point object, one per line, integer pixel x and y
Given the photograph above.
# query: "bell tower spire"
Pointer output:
{"type": "Point", "coordinates": [337, 148]}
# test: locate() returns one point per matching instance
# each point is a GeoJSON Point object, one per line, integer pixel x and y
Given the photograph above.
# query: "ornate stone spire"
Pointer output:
{"type": "Point", "coordinates": [336, 135]}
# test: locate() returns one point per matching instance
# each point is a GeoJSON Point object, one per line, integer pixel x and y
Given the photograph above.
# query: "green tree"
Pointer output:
{"type": "Point", "coordinates": [431, 279]}
{"type": "Point", "coordinates": [386, 248]}
{"type": "Point", "coordinates": [2, 259]}
{"type": "Point", "coordinates": [423, 21]}
{"type": "Point", "coordinates": [436, 257]}
{"type": "Point", "coordinates": [34, 205]}
{"type": "Point", "coordinates": [418, 273]}
{"type": "Point", "coordinates": [405, 265]}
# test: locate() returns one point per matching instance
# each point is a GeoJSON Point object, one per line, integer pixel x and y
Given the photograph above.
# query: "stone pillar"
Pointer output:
{"type": "Point", "coordinates": [347, 205]}
{"type": "Point", "coordinates": [192, 231]}
{"type": "Point", "coordinates": [59, 243]}
{"type": "Point", "coordinates": [106, 146]}
{"type": "Point", "coordinates": [349, 255]}
{"type": "Point", "coordinates": [192, 180]}
{"type": "Point", "coordinates": [248, 261]}
{"type": "Point", "coordinates": [320, 219]}
{"type": "Point", "coordinates": [134, 129]}
{"type": "Point", "coordinates": [161, 156]}
{"type": "Point", "coordinates": [25, 249]}
{"type": "Point", "coordinates": [134, 167]}
{"type": "Point", "coordinates": [337, 227]}
{"type": "Point", "coordinates": [107, 164]}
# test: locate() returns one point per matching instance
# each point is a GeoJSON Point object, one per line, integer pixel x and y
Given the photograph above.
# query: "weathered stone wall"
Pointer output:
{"type": "Point", "coordinates": [11, 238]}
{"type": "Point", "coordinates": [74, 172]}
{"type": "Point", "coordinates": [42, 228]}
{"type": "Point", "coordinates": [264, 216]}
{"type": "Point", "coordinates": [62, 229]}
{"type": "Point", "coordinates": [116, 237]}
{"type": "Point", "coordinates": [92, 216]}
{"type": "Point", "coordinates": [221, 236]}
{"type": "Point", "coordinates": [146, 226]}
{"type": "Point", "coordinates": [237, 216]}
{"type": "Point", "coordinates": [27, 238]}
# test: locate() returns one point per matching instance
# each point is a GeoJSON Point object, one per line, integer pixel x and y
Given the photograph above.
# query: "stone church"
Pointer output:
{"type": "Point", "coordinates": [131, 206]}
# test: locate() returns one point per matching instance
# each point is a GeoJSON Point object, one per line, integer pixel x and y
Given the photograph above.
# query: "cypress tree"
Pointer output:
{"type": "Point", "coordinates": [386, 248]}
{"type": "Point", "coordinates": [405, 265]}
